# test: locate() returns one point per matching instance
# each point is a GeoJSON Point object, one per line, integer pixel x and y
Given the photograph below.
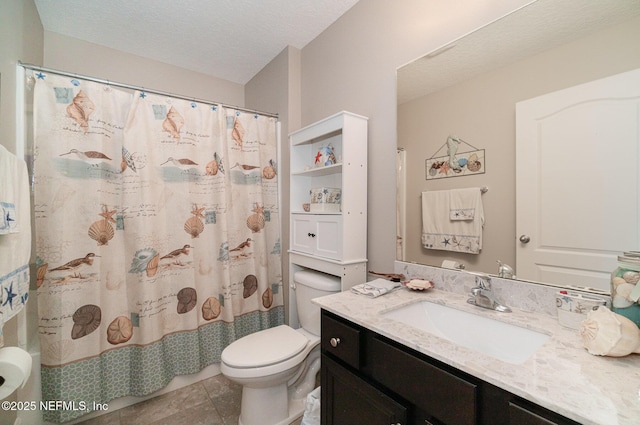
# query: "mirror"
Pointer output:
{"type": "Point", "coordinates": [469, 88]}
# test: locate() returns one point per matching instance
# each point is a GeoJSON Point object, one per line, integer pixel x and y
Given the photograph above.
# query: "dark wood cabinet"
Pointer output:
{"type": "Point", "coordinates": [368, 379]}
{"type": "Point", "coordinates": [350, 400]}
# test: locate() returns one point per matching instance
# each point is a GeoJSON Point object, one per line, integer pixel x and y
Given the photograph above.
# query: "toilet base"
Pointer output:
{"type": "Point", "coordinates": [280, 404]}
{"type": "Point", "coordinates": [296, 410]}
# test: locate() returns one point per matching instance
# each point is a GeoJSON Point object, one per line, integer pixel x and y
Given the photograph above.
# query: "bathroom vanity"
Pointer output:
{"type": "Point", "coordinates": [376, 369]}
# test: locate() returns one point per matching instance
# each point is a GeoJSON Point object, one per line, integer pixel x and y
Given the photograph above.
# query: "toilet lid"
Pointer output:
{"type": "Point", "coordinates": [264, 348]}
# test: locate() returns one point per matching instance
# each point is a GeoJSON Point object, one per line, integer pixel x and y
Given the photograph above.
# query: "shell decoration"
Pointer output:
{"type": "Point", "coordinates": [605, 333]}
{"type": "Point", "coordinates": [194, 225]}
{"type": "Point", "coordinates": [86, 319]}
{"type": "Point", "coordinates": [60, 350]}
{"type": "Point", "coordinates": [101, 231]}
{"type": "Point", "coordinates": [173, 123]}
{"type": "Point", "coordinates": [212, 168]}
{"type": "Point", "coordinates": [187, 299]}
{"type": "Point", "coordinates": [40, 274]}
{"type": "Point", "coordinates": [214, 165]}
{"type": "Point", "coordinates": [473, 164]}
{"type": "Point", "coordinates": [127, 161]}
{"type": "Point", "coordinates": [120, 330]}
{"type": "Point", "coordinates": [141, 260]}
{"type": "Point", "coordinates": [267, 298]}
{"type": "Point", "coordinates": [238, 132]}
{"type": "Point", "coordinates": [256, 221]}
{"type": "Point", "coordinates": [269, 171]}
{"type": "Point", "coordinates": [80, 110]}
{"type": "Point", "coordinates": [631, 277]}
{"type": "Point", "coordinates": [152, 266]}
{"type": "Point", "coordinates": [250, 286]}
{"type": "Point", "coordinates": [211, 308]}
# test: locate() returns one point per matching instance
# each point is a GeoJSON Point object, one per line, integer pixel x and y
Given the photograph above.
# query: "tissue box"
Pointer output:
{"type": "Point", "coordinates": [325, 199]}
{"type": "Point", "coordinates": [573, 307]}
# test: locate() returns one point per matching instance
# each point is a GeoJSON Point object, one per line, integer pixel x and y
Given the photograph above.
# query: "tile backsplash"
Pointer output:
{"type": "Point", "coordinates": [526, 296]}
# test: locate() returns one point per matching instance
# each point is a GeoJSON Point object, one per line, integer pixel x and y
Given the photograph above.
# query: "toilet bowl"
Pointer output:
{"type": "Point", "coordinates": [277, 367]}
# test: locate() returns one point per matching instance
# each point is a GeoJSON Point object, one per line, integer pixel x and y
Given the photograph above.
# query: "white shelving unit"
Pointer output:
{"type": "Point", "coordinates": [330, 242]}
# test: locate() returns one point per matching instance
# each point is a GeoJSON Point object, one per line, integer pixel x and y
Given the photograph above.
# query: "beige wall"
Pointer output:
{"type": "Point", "coordinates": [352, 66]}
{"type": "Point", "coordinates": [276, 88]}
{"type": "Point", "coordinates": [78, 56]}
{"type": "Point", "coordinates": [21, 39]}
{"type": "Point", "coordinates": [482, 112]}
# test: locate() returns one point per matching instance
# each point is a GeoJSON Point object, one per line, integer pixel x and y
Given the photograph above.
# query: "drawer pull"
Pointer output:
{"type": "Point", "coordinates": [311, 235]}
{"type": "Point", "coordinates": [334, 342]}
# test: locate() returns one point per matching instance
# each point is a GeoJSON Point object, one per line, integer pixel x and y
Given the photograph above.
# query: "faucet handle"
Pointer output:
{"type": "Point", "coordinates": [483, 281]}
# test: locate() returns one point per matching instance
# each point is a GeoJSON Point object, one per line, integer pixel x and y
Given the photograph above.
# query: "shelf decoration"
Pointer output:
{"type": "Point", "coordinates": [455, 164]}
{"type": "Point", "coordinates": [325, 156]}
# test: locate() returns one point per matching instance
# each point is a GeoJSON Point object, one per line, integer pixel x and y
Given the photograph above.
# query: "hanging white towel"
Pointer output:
{"type": "Point", "coordinates": [442, 233]}
{"type": "Point", "coordinates": [15, 244]}
{"type": "Point", "coordinates": [9, 222]}
{"type": "Point", "coordinates": [463, 203]}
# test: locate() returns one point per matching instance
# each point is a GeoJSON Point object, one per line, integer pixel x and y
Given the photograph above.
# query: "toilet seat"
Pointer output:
{"type": "Point", "coordinates": [264, 348]}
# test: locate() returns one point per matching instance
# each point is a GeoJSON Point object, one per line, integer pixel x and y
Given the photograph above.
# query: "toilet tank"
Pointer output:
{"type": "Point", "coordinates": [311, 284]}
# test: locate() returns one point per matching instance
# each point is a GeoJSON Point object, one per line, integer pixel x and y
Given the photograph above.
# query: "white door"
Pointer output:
{"type": "Point", "coordinates": [578, 181]}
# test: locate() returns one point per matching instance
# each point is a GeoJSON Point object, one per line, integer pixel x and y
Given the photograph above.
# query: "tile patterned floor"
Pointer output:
{"type": "Point", "coordinates": [214, 401]}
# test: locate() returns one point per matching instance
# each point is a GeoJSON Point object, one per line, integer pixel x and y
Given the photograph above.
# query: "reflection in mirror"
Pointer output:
{"type": "Point", "coordinates": [469, 88]}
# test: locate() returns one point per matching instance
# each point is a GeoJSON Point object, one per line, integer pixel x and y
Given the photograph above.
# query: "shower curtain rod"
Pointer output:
{"type": "Point", "coordinates": [132, 87]}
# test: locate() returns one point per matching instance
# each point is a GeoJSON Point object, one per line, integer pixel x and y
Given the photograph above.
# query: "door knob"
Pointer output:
{"type": "Point", "coordinates": [334, 342]}
{"type": "Point", "coordinates": [525, 239]}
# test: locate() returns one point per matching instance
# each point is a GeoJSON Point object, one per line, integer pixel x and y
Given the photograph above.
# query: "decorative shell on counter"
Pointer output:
{"type": "Point", "coordinates": [418, 284]}
{"type": "Point", "coordinates": [605, 333]}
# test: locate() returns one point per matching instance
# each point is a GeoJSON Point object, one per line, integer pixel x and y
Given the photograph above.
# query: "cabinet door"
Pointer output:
{"type": "Point", "coordinates": [319, 235]}
{"type": "Point", "coordinates": [328, 236]}
{"type": "Point", "coordinates": [302, 227]}
{"type": "Point", "coordinates": [349, 400]}
{"type": "Point", "coordinates": [442, 395]}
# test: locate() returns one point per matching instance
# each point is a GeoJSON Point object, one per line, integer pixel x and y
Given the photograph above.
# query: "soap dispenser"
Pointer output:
{"type": "Point", "coordinates": [505, 271]}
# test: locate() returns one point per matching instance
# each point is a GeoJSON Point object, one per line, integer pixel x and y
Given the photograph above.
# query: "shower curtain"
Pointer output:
{"type": "Point", "coordinates": [157, 237]}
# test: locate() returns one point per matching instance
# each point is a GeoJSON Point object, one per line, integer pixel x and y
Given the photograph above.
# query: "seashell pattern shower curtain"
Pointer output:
{"type": "Point", "coordinates": [157, 237]}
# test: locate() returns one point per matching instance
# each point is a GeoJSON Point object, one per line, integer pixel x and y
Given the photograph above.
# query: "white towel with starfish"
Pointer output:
{"type": "Point", "coordinates": [463, 203]}
{"type": "Point", "coordinates": [15, 234]}
{"type": "Point", "coordinates": [440, 232]}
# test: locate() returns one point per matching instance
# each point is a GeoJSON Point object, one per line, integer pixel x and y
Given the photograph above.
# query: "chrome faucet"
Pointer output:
{"type": "Point", "coordinates": [482, 297]}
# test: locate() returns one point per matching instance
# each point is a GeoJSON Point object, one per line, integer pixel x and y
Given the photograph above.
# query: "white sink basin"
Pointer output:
{"type": "Point", "coordinates": [503, 341]}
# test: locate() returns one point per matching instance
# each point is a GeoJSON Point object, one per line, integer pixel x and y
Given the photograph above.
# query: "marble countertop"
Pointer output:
{"type": "Point", "coordinates": [561, 376]}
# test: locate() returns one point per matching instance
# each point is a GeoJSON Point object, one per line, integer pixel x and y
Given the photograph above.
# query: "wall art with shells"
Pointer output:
{"type": "Point", "coordinates": [455, 163]}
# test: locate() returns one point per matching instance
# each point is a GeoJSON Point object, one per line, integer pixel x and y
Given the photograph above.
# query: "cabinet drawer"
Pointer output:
{"type": "Point", "coordinates": [446, 397]}
{"type": "Point", "coordinates": [523, 413]}
{"type": "Point", "coordinates": [340, 339]}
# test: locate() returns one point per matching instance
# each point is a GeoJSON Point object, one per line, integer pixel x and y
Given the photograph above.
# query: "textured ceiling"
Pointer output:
{"type": "Point", "coordinates": [228, 39]}
{"type": "Point", "coordinates": [532, 29]}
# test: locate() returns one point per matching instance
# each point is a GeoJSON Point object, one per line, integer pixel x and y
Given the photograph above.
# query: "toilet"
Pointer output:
{"type": "Point", "coordinates": [277, 367]}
